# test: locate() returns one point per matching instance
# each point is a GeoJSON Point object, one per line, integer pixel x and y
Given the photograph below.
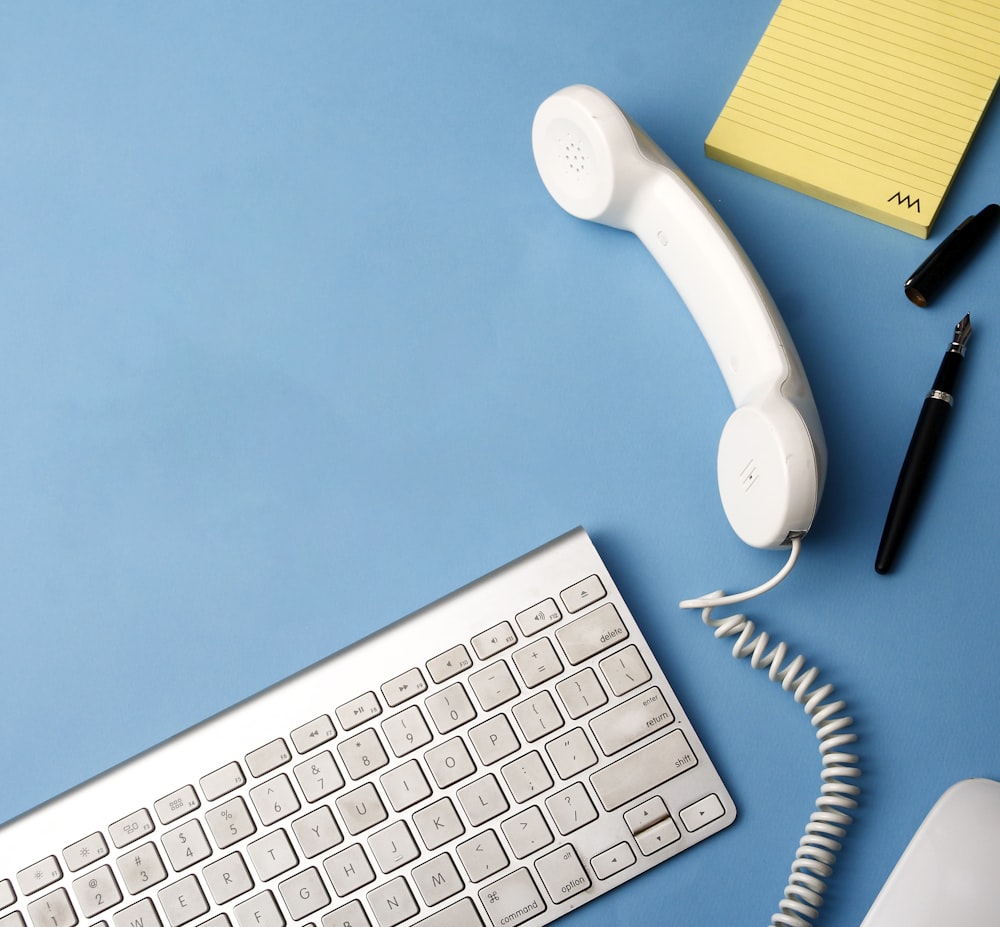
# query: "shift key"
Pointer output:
{"type": "Point", "coordinates": [646, 768]}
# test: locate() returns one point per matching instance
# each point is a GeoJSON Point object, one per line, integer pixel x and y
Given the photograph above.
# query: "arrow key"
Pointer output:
{"type": "Point", "coordinates": [611, 861]}
{"type": "Point", "coordinates": [658, 836]}
{"type": "Point", "coordinates": [702, 812]}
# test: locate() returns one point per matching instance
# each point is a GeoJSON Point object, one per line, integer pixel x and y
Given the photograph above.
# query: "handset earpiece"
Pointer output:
{"type": "Point", "coordinates": [598, 165]}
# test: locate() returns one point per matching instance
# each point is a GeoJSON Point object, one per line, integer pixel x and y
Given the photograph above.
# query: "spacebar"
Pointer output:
{"type": "Point", "coordinates": [648, 767]}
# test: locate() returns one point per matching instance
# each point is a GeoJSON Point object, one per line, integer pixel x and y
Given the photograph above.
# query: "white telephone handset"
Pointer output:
{"type": "Point", "coordinates": [598, 165]}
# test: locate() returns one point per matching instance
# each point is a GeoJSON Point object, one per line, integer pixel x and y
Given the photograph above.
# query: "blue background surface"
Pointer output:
{"type": "Point", "coordinates": [293, 341]}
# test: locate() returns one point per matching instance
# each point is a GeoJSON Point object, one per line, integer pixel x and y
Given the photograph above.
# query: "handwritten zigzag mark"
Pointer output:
{"type": "Point", "coordinates": [905, 200]}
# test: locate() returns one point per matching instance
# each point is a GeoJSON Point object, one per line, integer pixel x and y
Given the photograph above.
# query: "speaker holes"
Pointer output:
{"type": "Point", "coordinates": [568, 161]}
{"type": "Point", "coordinates": [573, 156]}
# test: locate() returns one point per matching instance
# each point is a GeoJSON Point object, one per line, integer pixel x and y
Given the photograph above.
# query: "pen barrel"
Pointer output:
{"type": "Point", "coordinates": [947, 373]}
{"type": "Point", "coordinates": [912, 478]}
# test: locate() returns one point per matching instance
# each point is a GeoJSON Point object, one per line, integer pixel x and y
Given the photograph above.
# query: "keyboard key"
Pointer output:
{"type": "Point", "coordinates": [512, 899]}
{"type": "Point", "coordinates": [230, 822]}
{"type": "Point", "coordinates": [494, 739]}
{"type": "Point", "coordinates": [482, 856]}
{"type": "Point", "coordinates": [358, 710]}
{"type": "Point", "coordinates": [571, 808]}
{"type": "Point", "coordinates": [141, 868]}
{"type": "Point", "coordinates": [350, 915]}
{"type": "Point", "coordinates": [405, 785]}
{"type": "Point", "coordinates": [319, 776]}
{"type": "Point", "coordinates": [527, 777]}
{"type": "Point", "coordinates": [272, 855]}
{"type": "Point", "coordinates": [404, 687]}
{"type": "Point", "coordinates": [494, 685]}
{"type": "Point", "coordinates": [629, 722]}
{"type": "Point", "coordinates": [313, 734]}
{"type": "Point", "coordinates": [646, 814]}
{"type": "Point", "coordinates": [268, 758]}
{"type": "Point", "coordinates": [53, 910]}
{"type": "Point", "coordinates": [96, 891]}
{"type": "Point", "coordinates": [84, 852]}
{"type": "Point", "coordinates": [460, 914]}
{"type": "Point", "coordinates": [7, 896]}
{"type": "Point", "coordinates": [702, 812]}
{"type": "Point", "coordinates": [175, 805]}
{"type": "Point", "coordinates": [349, 870]}
{"type": "Point", "coordinates": [581, 693]}
{"type": "Point", "coordinates": [450, 708]}
{"type": "Point", "coordinates": [540, 616]}
{"type": "Point", "coordinates": [183, 901]}
{"type": "Point", "coordinates": [581, 594]}
{"type": "Point", "coordinates": [538, 662]}
{"type": "Point", "coordinates": [482, 800]}
{"type": "Point", "coordinates": [646, 768]}
{"type": "Point", "coordinates": [131, 828]}
{"type": "Point", "coordinates": [393, 847]}
{"type": "Point", "coordinates": [537, 716]}
{"type": "Point", "coordinates": [317, 832]}
{"type": "Point", "coordinates": [406, 731]}
{"type": "Point", "coordinates": [448, 664]}
{"type": "Point", "coordinates": [527, 832]}
{"type": "Point", "coordinates": [141, 914]}
{"type": "Point", "coordinates": [657, 837]}
{"type": "Point", "coordinates": [363, 753]}
{"type": "Point", "coordinates": [562, 873]}
{"type": "Point", "coordinates": [571, 753]}
{"type": "Point", "coordinates": [361, 809]}
{"type": "Point", "coordinates": [591, 633]}
{"type": "Point", "coordinates": [438, 823]}
{"type": "Point", "coordinates": [612, 861]}
{"type": "Point", "coordinates": [222, 781]}
{"type": "Point", "coordinates": [274, 800]}
{"type": "Point", "coordinates": [228, 878]}
{"type": "Point", "coordinates": [392, 903]}
{"type": "Point", "coordinates": [260, 911]}
{"type": "Point", "coordinates": [304, 893]}
{"type": "Point", "coordinates": [41, 875]}
{"type": "Point", "coordinates": [625, 670]}
{"type": "Point", "coordinates": [437, 879]}
{"type": "Point", "coordinates": [490, 642]}
{"type": "Point", "coordinates": [186, 845]}
{"type": "Point", "coordinates": [13, 919]}
{"type": "Point", "coordinates": [449, 762]}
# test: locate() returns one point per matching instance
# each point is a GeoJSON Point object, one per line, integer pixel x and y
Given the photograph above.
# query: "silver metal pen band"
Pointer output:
{"type": "Point", "coordinates": [943, 396]}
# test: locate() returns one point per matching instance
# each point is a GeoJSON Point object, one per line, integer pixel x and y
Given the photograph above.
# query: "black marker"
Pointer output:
{"type": "Point", "coordinates": [950, 256]}
{"type": "Point", "coordinates": [922, 450]}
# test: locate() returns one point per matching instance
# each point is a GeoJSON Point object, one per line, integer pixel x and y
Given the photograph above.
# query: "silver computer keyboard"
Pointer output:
{"type": "Point", "coordinates": [500, 757]}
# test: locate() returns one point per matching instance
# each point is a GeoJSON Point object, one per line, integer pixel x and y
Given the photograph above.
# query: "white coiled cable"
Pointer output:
{"type": "Point", "coordinates": [818, 848]}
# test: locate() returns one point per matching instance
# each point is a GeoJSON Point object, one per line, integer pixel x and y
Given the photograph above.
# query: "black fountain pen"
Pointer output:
{"type": "Point", "coordinates": [922, 450]}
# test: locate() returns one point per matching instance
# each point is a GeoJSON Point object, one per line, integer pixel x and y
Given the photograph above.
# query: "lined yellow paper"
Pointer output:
{"type": "Point", "coordinates": [866, 104]}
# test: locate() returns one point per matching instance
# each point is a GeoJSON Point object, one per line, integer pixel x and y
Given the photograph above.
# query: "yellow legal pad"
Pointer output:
{"type": "Point", "coordinates": [866, 104]}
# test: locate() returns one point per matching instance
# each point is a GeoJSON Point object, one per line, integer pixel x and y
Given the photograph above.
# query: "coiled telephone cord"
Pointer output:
{"type": "Point", "coordinates": [818, 848]}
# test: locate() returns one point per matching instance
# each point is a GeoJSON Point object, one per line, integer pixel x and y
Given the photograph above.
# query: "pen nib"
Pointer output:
{"type": "Point", "coordinates": [962, 332]}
